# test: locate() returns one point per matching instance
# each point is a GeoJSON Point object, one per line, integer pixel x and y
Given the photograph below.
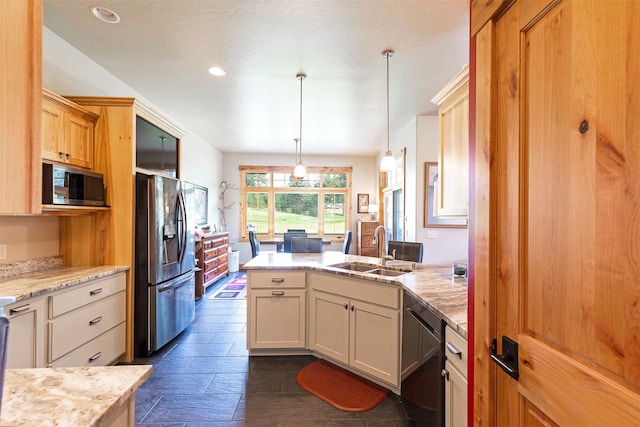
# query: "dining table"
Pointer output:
{"type": "Point", "coordinates": [279, 242]}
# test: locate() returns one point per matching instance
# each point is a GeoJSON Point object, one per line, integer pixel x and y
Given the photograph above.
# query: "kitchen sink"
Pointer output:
{"type": "Point", "coordinates": [385, 272]}
{"type": "Point", "coordinates": [368, 268]}
{"type": "Point", "coordinates": [355, 266]}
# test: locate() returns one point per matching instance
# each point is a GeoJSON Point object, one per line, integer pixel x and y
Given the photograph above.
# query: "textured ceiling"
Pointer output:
{"type": "Point", "coordinates": [163, 48]}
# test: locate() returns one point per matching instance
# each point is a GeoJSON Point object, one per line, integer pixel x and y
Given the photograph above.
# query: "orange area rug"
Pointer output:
{"type": "Point", "coordinates": [340, 387]}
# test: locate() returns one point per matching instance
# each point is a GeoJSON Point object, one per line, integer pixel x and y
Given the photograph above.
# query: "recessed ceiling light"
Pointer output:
{"type": "Point", "coordinates": [216, 71]}
{"type": "Point", "coordinates": [105, 15]}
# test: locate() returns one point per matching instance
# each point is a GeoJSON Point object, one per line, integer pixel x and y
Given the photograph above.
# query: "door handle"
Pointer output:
{"type": "Point", "coordinates": [508, 360]}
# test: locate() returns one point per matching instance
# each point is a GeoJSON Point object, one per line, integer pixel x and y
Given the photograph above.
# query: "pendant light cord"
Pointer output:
{"type": "Point", "coordinates": [301, 76]}
{"type": "Point", "coordinates": [387, 54]}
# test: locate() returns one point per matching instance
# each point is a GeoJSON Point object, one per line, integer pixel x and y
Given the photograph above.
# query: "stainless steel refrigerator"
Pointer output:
{"type": "Point", "coordinates": [164, 297]}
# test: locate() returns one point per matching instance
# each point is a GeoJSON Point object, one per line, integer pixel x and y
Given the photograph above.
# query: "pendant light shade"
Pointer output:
{"type": "Point", "coordinates": [388, 163]}
{"type": "Point", "coordinates": [300, 171]}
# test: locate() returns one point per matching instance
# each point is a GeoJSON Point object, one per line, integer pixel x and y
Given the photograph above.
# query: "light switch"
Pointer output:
{"type": "Point", "coordinates": [432, 234]}
{"type": "Point", "coordinates": [3, 251]}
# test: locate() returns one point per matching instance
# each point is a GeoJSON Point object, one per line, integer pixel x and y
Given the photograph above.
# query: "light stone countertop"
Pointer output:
{"type": "Point", "coordinates": [434, 285]}
{"type": "Point", "coordinates": [67, 396]}
{"type": "Point", "coordinates": [31, 284]}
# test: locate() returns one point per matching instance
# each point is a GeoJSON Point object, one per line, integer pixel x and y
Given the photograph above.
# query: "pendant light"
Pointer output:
{"type": "Point", "coordinates": [388, 163]}
{"type": "Point", "coordinates": [300, 171]}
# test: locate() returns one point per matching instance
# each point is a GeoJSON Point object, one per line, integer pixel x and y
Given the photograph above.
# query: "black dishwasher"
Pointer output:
{"type": "Point", "coordinates": [422, 386]}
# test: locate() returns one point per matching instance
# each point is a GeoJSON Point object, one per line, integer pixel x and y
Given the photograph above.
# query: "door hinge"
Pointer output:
{"type": "Point", "coordinates": [508, 360]}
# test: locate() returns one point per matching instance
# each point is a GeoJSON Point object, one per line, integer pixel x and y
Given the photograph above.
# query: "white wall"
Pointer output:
{"type": "Point", "coordinates": [451, 244]}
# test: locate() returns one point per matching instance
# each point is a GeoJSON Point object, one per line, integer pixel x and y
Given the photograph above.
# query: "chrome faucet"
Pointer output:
{"type": "Point", "coordinates": [381, 244]}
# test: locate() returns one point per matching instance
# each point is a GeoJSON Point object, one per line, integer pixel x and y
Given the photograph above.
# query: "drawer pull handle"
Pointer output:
{"type": "Point", "coordinates": [20, 309]}
{"type": "Point", "coordinates": [95, 321]}
{"type": "Point", "coordinates": [454, 350]}
{"type": "Point", "coordinates": [277, 280]}
{"type": "Point", "coordinates": [95, 291]}
{"type": "Point", "coordinates": [277, 293]}
{"type": "Point", "coordinates": [95, 357]}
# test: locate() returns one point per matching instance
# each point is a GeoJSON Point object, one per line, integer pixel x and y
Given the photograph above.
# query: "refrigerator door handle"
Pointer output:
{"type": "Point", "coordinates": [182, 230]}
{"type": "Point", "coordinates": [175, 283]}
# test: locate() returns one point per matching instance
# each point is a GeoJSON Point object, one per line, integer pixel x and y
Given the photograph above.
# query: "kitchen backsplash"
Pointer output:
{"type": "Point", "coordinates": [22, 267]}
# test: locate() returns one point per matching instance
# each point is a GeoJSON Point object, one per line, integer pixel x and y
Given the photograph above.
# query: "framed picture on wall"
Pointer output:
{"type": "Point", "coordinates": [431, 221]}
{"type": "Point", "coordinates": [201, 196]}
{"type": "Point", "coordinates": [363, 203]}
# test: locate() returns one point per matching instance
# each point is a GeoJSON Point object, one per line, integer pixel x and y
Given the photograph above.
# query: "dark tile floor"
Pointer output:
{"type": "Point", "coordinates": [204, 377]}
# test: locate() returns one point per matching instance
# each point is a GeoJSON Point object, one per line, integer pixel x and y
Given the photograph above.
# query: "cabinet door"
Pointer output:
{"type": "Point", "coordinates": [26, 334]}
{"type": "Point", "coordinates": [52, 132]}
{"type": "Point", "coordinates": [277, 318]}
{"type": "Point", "coordinates": [20, 98]}
{"type": "Point", "coordinates": [374, 336]}
{"type": "Point", "coordinates": [329, 325]}
{"type": "Point", "coordinates": [455, 398]}
{"type": "Point", "coordinates": [78, 140]}
{"type": "Point", "coordinates": [452, 187]}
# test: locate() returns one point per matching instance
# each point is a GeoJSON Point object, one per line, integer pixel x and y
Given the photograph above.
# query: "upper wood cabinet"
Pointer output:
{"type": "Point", "coordinates": [67, 131]}
{"type": "Point", "coordinates": [452, 187]}
{"type": "Point", "coordinates": [20, 97]}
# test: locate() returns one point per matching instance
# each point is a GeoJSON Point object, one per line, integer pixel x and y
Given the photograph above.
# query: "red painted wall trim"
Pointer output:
{"type": "Point", "coordinates": [471, 269]}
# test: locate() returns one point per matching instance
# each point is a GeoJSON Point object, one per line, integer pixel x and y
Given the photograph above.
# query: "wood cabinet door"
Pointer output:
{"type": "Point", "coordinates": [20, 105]}
{"type": "Point", "coordinates": [455, 397]}
{"type": "Point", "coordinates": [557, 216]}
{"type": "Point", "coordinates": [52, 132]}
{"type": "Point", "coordinates": [78, 134]}
{"type": "Point", "coordinates": [374, 340]}
{"type": "Point", "coordinates": [329, 325]}
{"type": "Point", "coordinates": [25, 345]}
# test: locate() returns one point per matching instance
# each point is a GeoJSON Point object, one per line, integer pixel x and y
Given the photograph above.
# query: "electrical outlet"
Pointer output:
{"type": "Point", "coordinates": [432, 234]}
{"type": "Point", "coordinates": [3, 252]}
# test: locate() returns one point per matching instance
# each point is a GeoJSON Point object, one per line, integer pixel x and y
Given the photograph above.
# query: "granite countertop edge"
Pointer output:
{"type": "Point", "coordinates": [434, 285]}
{"type": "Point", "coordinates": [82, 396]}
{"type": "Point", "coordinates": [41, 282]}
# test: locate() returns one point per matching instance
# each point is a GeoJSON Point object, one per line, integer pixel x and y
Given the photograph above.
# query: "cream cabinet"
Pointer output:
{"type": "Point", "coordinates": [26, 344]}
{"type": "Point", "coordinates": [67, 131]}
{"type": "Point", "coordinates": [86, 325]}
{"type": "Point", "coordinates": [451, 196]}
{"type": "Point", "coordinates": [357, 323]}
{"type": "Point", "coordinates": [20, 97]}
{"type": "Point", "coordinates": [276, 318]}
{"type": "Point", "coordinates": [455, 373]}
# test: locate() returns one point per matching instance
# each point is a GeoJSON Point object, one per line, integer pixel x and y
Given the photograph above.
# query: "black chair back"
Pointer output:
{"type": "Point", "coordinates": [347, 242]}
{"type": "Point", "coordinates": [306, 245]}
{"type": "Point", "coordinates": [405, 251]}
{"type": "Point", "coordinates": [255, 244]}
{"type": "Point", "coordinates": [288, 237]}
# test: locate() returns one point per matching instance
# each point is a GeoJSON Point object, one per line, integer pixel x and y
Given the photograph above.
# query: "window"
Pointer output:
{"type": "Point", "coordinates": [273, 202]}
{"type": "Point", "coordinates": [393, 196]}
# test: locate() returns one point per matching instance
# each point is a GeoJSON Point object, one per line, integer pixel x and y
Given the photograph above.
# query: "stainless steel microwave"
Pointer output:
{"type": "Point", "coordinates": [63, 185]}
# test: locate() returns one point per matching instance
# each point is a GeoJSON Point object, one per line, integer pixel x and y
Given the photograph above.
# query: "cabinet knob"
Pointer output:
{"type": "Point", "coordinates": [444, 373]}
{"type": "Point", "coordinates": [68, 156]}
{"type": "Point", "coordinates": [61, 154]}
{"type": "Point", "coordinates": [346, 306]}
{"type": "Point", "coordinates": [353, 308]}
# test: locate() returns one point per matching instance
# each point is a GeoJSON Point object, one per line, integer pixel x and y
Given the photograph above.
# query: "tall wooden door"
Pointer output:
{"type": "Point", "coordinates": [557, 212]}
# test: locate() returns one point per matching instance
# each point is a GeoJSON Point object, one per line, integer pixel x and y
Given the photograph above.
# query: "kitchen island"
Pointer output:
{"type": "Point", "coordinates": [347, 308]}
{"type": "Point", "coordinates": [98, 396]}
{"type": "Point", "coordinates": [434, 285]}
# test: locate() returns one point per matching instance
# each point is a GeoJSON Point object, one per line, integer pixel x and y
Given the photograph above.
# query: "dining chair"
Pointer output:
{"type": "Point", "coordinates": [306, 245]}
{"type": "Point", "coordinates": [255, 244]}
{"type": "Point", "coordinates": [287, 240]}
{"type": "Point", "coordinates": [347, 242]}
{"type": "Point", "coordinates": [405, 251]}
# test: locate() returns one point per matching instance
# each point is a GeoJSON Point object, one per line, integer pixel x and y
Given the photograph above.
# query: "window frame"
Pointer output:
{"type": "Point", "coordinates": [271, 190]}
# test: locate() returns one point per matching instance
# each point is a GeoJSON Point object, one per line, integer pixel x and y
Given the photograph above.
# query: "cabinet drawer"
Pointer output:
{"type": "Point", "coordinates": [210, 253]}
{"type": "Point", "coordinates": [369, 227]}
{"type": "Point", "coordinates": [101, 351]}
{"type": "Point", "coordinates": [75, 329]}
{"type": "Point", "coordinates": [454, 343]}
{"type": "Point", "coordinates": [211, 274]}
{"type": "Point", "coordinates": [86, 294]}
{"type": "Point", "coordinates": [277, 279]}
